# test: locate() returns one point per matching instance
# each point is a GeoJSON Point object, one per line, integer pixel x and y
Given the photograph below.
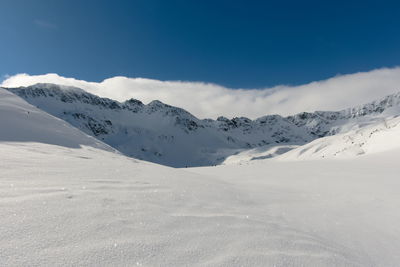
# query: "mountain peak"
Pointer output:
{"type": "Point", "coordinates": [133, 101]}
{"type": "Point", "coordinates": [157, 103]}
{"type": "Point", "coordinates": [52, 86]}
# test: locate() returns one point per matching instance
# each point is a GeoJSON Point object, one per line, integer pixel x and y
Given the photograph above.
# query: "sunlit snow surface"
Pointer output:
{"type": "Point", "coordinates": [83, 204]}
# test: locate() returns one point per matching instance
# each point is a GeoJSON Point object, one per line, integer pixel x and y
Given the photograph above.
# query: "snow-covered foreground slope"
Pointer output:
{"type": "Point", "coordinates": [352, 205]}
{"type": "Point", "coordinates": [89, 207]}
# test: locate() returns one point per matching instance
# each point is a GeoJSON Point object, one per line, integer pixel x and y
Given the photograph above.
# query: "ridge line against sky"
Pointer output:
{"type": "Point", "coordinates": [206, 100]}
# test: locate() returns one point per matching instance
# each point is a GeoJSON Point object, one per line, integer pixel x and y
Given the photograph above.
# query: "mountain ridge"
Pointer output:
{"type": "Point", "coordinates": [172, 136]}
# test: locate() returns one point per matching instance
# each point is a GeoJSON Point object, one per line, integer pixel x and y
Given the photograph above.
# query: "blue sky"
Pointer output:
{"type": "Point", "coordinates": [238, 44]}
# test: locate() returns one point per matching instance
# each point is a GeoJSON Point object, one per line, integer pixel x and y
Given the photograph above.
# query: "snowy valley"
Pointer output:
{"type": "Point", "coordinates": [313, 189]}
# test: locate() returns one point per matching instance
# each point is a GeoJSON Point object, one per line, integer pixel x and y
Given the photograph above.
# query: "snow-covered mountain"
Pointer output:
{"type": "Point", "coordinates": [172, 136]}
{"type": "Point", "coordinates": [374, 138]}
{"type": "Point", "coordinates": [367, 129]}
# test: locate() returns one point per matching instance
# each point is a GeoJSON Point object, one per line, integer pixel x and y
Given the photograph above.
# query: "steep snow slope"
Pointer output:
{"type": "Point", "coordinates": [352, 132]}
{"type": "Point", "coordinates": [325, 123]}
{"type": "Point", "coordinates": [373, 138]}
{"type": "Point", "coordinates": [374, 134]}
{"type": "Point", "coordinates": [20, 121]}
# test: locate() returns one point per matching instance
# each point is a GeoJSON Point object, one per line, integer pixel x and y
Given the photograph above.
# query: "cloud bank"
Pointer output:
{"type": "Point", "coordinates": [206, 100]}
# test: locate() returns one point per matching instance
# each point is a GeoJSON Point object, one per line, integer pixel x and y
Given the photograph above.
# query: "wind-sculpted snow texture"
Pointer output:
{"type": "Point", "coordinates": [172, 136]}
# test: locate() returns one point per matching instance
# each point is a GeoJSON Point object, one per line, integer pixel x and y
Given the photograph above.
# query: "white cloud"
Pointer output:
{"type": "Point", "coordinates": [210, 101]}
